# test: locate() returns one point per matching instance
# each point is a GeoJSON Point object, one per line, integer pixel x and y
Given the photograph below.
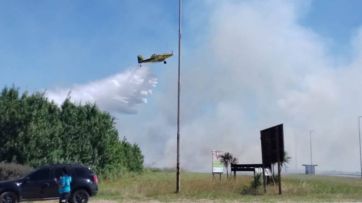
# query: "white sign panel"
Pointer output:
{"type": "Point", "coordinates": [217, 166]}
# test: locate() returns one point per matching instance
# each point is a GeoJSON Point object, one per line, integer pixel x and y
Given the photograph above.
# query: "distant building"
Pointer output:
{"type": "Point", "coordinates": [310, 169]}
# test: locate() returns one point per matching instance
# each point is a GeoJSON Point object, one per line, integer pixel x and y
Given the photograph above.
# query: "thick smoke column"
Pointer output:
{"type": "Point", "coordinates": [254, 66]}
{"type": "Point", "coordinates": [119, 93]}
{"type": "Point", "coordinates": [257, 66]}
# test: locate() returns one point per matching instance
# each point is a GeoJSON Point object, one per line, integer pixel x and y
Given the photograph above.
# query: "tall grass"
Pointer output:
{"type": "Point", "coordinates": [160, 185]}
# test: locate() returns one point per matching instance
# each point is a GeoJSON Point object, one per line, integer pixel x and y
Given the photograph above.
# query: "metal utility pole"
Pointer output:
{"type": "Point", "coordinates": [296, 152]}
{"type": "Point", "coordinates": [359, 136]}
{"type": "Point", "coordinates": [178, 99]}
{"type": "Point", "coordinates": [311, 155]}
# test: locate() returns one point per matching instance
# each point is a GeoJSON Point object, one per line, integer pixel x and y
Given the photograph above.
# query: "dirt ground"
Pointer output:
{"type": "Point", "coordinates": [139, 201]}
{"type": "Point", "coordinates": [153, 201]}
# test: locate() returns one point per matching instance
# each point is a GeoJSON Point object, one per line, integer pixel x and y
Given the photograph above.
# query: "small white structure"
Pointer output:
{"type": "Point", "coordinates": [267, 173]}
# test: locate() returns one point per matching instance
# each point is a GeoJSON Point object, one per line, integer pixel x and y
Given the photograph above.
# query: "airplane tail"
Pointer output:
{"type": "Point", "coordinates": [140, 58]}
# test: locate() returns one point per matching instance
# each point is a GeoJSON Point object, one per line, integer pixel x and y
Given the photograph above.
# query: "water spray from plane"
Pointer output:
{"type": "Point", "coordinates": [119, 93]}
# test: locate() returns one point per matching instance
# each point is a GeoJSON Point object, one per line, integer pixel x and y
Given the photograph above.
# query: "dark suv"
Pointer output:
{"type": "Point", "coordinates": [41, 184]}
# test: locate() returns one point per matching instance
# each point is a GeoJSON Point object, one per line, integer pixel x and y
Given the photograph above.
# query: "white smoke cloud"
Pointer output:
{"type": "Point", "coordinates": [257, 67]}
{"type": "Point", "coordinates": [120, 93]}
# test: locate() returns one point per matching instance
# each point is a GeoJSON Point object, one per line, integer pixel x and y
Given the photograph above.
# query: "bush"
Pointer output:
{"type": "Point", "coordinates": [254, 187]}
{"type": "Point", "coordinates": [10, 171]}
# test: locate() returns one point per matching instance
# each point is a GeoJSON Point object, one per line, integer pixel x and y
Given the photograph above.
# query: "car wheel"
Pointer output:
{"type": "Point", "coordinates": [8, 197]}
{"type": "Point", "coordinates": [80, 196]}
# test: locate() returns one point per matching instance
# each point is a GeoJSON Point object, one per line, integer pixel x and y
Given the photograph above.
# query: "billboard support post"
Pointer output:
{"type": "Point", "coordinates": [264, 183]}
{"type": "Point", "coordinates": [278, 160]}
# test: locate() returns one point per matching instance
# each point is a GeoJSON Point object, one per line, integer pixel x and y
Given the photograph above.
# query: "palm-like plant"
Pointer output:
{"type": "Point", "coordinates": [234, 160]}
{"type": "Point", "coordinates": [286, 158]}
{"type": "Point", "coordinates": [227, 159]}
{"type": "Point", "coordinates": [283, 162]}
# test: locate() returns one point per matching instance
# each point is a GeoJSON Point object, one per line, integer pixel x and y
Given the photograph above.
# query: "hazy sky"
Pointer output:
{"type": "Point", "coordinates": [247, 65]}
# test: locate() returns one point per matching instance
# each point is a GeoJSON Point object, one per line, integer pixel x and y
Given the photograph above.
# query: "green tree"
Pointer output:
{"type": "Point", "coordinates": [35, 131]}
{"type": "Point", "coordinates": [11, 124]}
{"type": "Point", "coordinates": [42, 127]}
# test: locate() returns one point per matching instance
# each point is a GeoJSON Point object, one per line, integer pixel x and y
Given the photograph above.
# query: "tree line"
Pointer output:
{"type": "Point", "coordinates": [35, 131]}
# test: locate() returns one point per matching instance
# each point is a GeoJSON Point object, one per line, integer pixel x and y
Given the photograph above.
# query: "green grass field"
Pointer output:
{"type": "Point", "coordinates": [160, 186]}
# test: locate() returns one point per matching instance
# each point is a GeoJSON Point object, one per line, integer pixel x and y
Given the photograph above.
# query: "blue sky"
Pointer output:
{"type": "Point", "coordinates": [46, 44]}
{"type": "Point", "coordinates": [247, 65]}
{"type": "Point", "coordinates": [336, 20]}
{"type": "Point", "coordinates": [58, 43]}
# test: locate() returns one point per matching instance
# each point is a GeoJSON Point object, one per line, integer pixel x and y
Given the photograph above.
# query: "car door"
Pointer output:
{"type": "Point", "coordinates": [52, 190]}
{"type": "Point", "coordinates": [35, 184]}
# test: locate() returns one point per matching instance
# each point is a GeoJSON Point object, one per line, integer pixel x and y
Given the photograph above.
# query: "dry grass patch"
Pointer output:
{"type": "Point", "coordinates": [199, 187]}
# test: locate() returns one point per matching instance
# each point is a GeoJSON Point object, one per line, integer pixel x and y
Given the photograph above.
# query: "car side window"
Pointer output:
{"type": "Point", "coordinates": [58, 171]}
{"type": "Point", "coordinates": [82, 172]}
{"type": "Point", "coordinates": [42, 174]}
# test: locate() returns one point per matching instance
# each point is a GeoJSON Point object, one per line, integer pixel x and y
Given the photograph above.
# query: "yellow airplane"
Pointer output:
{"type": "Point", "coordinates": [154, 58]}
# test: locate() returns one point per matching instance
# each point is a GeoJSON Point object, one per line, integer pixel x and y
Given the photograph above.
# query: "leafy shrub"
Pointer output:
{"type": "Point", "coordinates": [10, 171]}
{"type": "Point", "coordinates": [254, 187]}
